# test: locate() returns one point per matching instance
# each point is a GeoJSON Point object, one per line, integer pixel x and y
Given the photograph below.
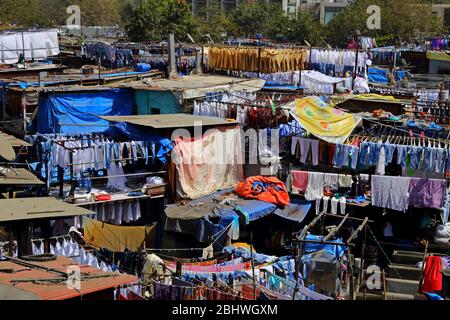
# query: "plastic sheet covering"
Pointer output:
{"type": "Point", "coordinates": [205, 216]}
{"type": "Point", "coordinates": [79, 112]}
{"type": "Point", "coordinates": [35, 45]}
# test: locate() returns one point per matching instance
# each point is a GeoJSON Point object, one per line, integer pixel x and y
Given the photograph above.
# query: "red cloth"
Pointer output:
{"type": "Point", "coordinates": [103, 197]}
{"type": "Point", "coordinates": [300, 180]}
{"type": "Point", "coordinates": [274, 191]}
{"type": "Point", "coordinates": [432, 276]}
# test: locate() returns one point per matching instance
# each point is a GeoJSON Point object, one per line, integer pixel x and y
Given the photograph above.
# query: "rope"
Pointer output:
{"type": "Point", "coordinates": [382, 250]}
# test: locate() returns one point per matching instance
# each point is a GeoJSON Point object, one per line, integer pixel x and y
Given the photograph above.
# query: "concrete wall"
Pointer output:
{"type": "Point", "coordinates": [164, 102]}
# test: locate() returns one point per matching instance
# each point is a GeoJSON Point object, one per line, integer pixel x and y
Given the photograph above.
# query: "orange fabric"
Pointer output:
{"type": "Point", "coordinates": [274, 190]}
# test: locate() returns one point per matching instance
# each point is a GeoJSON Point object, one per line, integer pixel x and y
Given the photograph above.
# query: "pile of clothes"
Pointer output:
{"type": "Point", "coordinates": [268, 189]}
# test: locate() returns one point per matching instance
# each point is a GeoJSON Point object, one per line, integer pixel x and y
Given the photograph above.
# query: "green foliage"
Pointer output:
{"type": "Point", "coordinates": [155, 19]}
{"type": "Point", "coordinates": [400, 21]}
{"type": "Point", "coordinates": [213, 20]}
{"type": "Point", "coordinates": [305, 27]}
{"type": "Point", "coordinates": [259, 17]}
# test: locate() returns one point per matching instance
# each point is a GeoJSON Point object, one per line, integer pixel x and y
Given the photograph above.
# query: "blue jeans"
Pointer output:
{"type": "Point", "coordinates": [415, 156]}
{"type": "Point", "coordinates": [401, 155]}
{"type": "Point", "coordinates": [389, 149]}
{"type": "Point", "coordinates": [340, 158]}
{"type": "Point", "coordinates": [353, 153]}
{"type": "Point", "coordinates": [363, 153]}
{"type": "Point", "coordinates": [430, 156]}
{"type": "Point", "coordinates": [374, 151]}
{"type": "Point", "coordinates": [441, 157]}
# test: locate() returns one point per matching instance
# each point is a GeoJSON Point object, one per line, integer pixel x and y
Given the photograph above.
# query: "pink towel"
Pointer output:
{"type": "Point", "coordinates": [299, 180]}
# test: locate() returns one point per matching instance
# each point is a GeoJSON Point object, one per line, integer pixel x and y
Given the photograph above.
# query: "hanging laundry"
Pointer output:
{"type": "Point", "coordinates": [427, 193]}
{"type": "Point", "coordinates": [390, 192]}
{"type": "Point", "coordinates": [116, 238]}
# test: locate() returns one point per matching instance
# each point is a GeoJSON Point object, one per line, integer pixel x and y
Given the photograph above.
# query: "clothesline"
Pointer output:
{"type": "Point", "coordinates": [111, 160]}
{"type": "Point", "coordinates": [404, 131]}
{"type": "Point", "coordinates": [129, 175]}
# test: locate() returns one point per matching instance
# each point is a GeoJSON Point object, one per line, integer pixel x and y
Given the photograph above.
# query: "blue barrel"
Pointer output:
{"type": "Point", "coordinates": [142, 67]}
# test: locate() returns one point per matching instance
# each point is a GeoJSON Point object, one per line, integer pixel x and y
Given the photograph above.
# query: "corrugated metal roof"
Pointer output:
{"type": "Point", "coordinates": [166, 121]}
{"type": "Point", "coordinates": [18, 176]}
{"type": "Point", "coordinates": [59, 291]}
{"type": "Point", "coordinates": [15, 142]}
{"type": "Point", "coordinates": [38, 208]}
{"type": "Point", "coordinates": [197, 86]}
{"type": "Point", "coordinates": [6, 150]}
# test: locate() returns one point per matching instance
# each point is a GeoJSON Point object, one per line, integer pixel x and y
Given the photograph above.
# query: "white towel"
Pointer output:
{"type": "Point", "coordinates": [343, 205]}
{"type": "Point", "coordinates": [314, 189]}
{"type": "Point", "coordinates": [334, 205]}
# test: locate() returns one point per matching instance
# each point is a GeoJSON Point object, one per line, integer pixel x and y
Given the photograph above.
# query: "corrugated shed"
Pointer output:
{"type": "Point", "coordinates": [47, 290]}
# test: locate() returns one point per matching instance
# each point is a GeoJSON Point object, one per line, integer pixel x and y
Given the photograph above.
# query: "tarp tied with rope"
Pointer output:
{"type": "Point", "coordinates": [323, 121]}
{"type": "Point", "coordinates": [79, 112]}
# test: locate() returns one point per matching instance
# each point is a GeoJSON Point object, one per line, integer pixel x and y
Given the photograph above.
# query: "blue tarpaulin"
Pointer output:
{"type": "Point", "coordinates": [378, 76]}
{"type": "Point", "coordinates": [335, 250]}
{"type": "Point", "coordinates": [79, 112]}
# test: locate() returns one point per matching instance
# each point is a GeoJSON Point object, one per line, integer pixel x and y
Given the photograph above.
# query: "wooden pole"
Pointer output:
{"type": "Point", "coordinates": [352, 284]}
{"type": "Point", "coordinates": [253, 272]}
{"type": "Point", "coordinates": [259, 62]}
{"type": "Point", "coordinates": [363, 257]}
{"type": "Point", "coordinates": [423, 265]}
{"type": "Point", "coordinates": [356, 69]}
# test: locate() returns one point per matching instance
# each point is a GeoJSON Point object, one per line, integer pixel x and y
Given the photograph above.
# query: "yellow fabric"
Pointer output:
{"type": "Point", "coordinates": [322, 120]}
{"type": "Point", "coordinates": [438, 55]}
{"type": "Point", "coordinates": [117, 238]}
{"type": "Point", "coordinates": [241, 245]}
{"type": "Point", "coordinates": [373, 96]}
{"type": "Point", "coordinates": [249, 59]}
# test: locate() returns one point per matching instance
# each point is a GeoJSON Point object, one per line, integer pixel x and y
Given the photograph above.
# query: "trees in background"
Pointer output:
{"type": "Point", "coordinates": [154, 19]}
{"type": "Point", "coordinates": [400, 21]}
{"type": "Point", "coordinates": [50, 13]}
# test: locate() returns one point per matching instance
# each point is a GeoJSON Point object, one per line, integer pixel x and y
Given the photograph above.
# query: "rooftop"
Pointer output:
{"type": "Point", "coordinates": [38, 208]}
{"type": "Point", "coordinates": [167, 121]}
{"type": "Point", "coordinates": [18, 176]}
{"type": "Point", "coordinates": [197, 86]}
{"type": "Point", "coordinates": [26, 282]}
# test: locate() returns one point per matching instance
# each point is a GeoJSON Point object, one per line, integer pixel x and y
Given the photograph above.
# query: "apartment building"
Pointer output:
{"type": "Point", "coordinates": [324, 10]}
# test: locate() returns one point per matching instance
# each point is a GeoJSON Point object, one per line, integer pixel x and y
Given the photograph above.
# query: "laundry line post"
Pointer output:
{"type": "Point", "coordinates": [355, 72]}
{"type": "Point", "coordinates": [253, 272]}
{"type": "Point", "coordinates": [172, 57]}
{"type": "Point", "coordinates": [298, 267]}
{"type": "Point", "coordinates": [259, 62]}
